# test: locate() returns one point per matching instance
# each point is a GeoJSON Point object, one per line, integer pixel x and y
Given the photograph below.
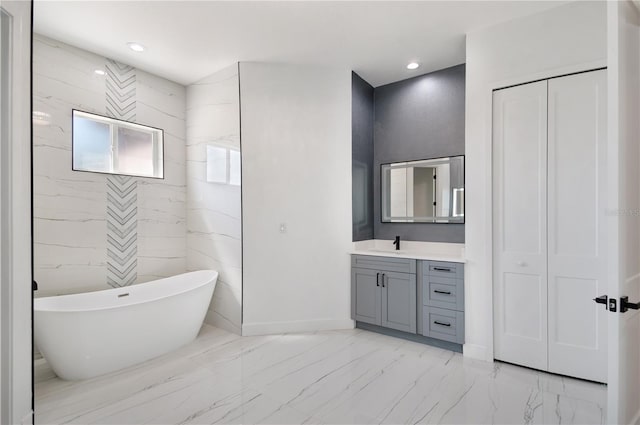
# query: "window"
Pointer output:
{"type": "Point", "coordinates": [108, 145]}
{"type": "Point", "coordinates": [223, 165]}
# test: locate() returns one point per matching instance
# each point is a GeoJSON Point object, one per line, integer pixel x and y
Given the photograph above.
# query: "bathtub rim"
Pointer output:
{"type": "Point", "coordinates": [36, 309]}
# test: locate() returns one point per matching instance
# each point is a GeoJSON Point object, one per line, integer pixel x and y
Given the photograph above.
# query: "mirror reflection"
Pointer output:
{"type": "Point", "coordinates": [425, 191]}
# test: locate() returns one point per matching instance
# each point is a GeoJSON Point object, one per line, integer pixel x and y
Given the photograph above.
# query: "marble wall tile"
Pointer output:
{"type": "Point", "coordinates": [214, 227]}
{"type": "Point", "coordinates": [70, 219]}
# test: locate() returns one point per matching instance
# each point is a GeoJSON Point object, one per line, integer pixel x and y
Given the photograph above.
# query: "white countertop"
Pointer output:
{"type": "Point", "coordinates": [435, 251]}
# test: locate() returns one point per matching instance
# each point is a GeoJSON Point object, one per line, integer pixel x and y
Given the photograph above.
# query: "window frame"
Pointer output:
{"type": "Point", "coordinates": [114, 124]}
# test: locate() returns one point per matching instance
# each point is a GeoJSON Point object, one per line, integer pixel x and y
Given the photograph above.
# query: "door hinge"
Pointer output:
{"type": "Point", "coordinates": [34, 285]}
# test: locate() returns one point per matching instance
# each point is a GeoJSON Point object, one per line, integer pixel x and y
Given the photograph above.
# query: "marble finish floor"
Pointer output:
{"type": "Point", "coordinates": [333, 377]}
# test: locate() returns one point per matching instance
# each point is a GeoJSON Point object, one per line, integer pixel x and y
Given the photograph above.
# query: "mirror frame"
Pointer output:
{"type": "Point", "coordinates": [430, 220]}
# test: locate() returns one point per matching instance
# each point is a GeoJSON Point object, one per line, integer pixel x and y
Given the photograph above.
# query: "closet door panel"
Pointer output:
{"type": "Point", "coordinates": [520, 228]}
{"type": "Point", "coordinates": [576, 196]}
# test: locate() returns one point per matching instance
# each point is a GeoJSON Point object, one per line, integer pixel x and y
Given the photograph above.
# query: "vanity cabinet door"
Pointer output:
{"type": "Point", "coordinates": [399, 301]}
{"type": "Point", "coordinates": [366, 294]}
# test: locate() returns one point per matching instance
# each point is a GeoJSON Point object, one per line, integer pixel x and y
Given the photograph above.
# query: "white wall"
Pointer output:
{"type": "Point", "coordinates": [566, 39]}
{"type": "Point", "coordinates": [70, 207]}
{"type": "Point", "coordinates": [296, 165]}
{"type": "Point", "coordinates": [214, 223]}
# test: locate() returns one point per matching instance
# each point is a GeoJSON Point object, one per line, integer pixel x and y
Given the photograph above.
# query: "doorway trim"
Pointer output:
{"type": "Point", "coordinates": [16, 359]}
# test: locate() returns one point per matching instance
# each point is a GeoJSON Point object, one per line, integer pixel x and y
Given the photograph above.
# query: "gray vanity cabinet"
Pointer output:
{"type": "Point", "coordinates": [442, 292]}
{"type": "Point", "coordinates": [366, 296]}
{"type": "Point", "coordinates": [399, 301]}
{"type": "Point", "coordinates": [383, 292]}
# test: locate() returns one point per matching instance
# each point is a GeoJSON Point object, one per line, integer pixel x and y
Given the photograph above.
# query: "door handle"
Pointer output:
{"type": "Point", "coordinates": [383, 280]}
{"type": "Point", "coordinates": [609, 303]}
{"type": "Point", "coordinates": [602, 299]}
{"type": "Point", "coordinates": [377, 279]}
{"type": "Point", "coordinates": [626, 305]}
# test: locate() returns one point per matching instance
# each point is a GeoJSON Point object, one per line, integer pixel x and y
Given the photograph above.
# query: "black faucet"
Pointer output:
{"type": "Point", "coordinates": [397, 243]}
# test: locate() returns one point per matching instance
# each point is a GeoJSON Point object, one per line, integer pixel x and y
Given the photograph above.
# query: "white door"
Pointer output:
{"type": "Point", "coordinates": [577, 231]}
{"type": "Point", "coordinates": [15, 212]}
{"type": "Point", "coordinates": [550, 229]}
{"type": "Point", "coordinates": [520, 228]}
{"type": "Point", "coordinates": [623, 218]}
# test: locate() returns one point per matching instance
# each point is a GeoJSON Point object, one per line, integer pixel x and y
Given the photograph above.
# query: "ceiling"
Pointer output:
{"type": "Point", "coordinates": [189, 40]}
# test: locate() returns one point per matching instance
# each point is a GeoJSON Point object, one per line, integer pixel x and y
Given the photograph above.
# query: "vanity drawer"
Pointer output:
{"type": "Point", "coordinates": [447, 325]}
{"type": "Point", "coordinates": [390, 264]}
{"type": "Point", "coordinates": [443, 292]}
{"type": "Point", "coordinates": [443, 269]}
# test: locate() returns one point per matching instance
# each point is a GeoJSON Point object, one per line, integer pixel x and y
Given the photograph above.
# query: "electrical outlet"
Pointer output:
{"type": "Point", "coordinates": [283, 227]}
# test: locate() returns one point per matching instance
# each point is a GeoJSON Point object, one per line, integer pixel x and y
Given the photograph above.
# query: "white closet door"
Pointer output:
{"type": "Point", "coordinates": [520, 225]}
{"type": "Point", "coordinates": [577, 237]}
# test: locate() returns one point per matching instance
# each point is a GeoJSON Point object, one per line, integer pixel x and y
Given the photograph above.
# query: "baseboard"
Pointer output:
{"type": "Point", "coordinates": [270, 328]}
{"type": "Point", "coordinates": [474, 351]}
{"type": "Point", "coordinates": [452, 346]}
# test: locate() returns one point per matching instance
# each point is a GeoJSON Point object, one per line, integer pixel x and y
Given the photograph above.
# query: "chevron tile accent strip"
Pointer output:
{"type": "Point", "coordinates": [122, 198]}
{"type": "Point", "coordinates": [122, 231]}
{"type": "Point", "coordinates": [120, 83]}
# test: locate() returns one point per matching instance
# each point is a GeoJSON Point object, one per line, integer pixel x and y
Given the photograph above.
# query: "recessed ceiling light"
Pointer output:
{"type": "Point", "coordinates": [99, 71]}
{"type": "Point", "coordinates": [136, 47]}
{"type": "Point", "coordinates": [413, 65]}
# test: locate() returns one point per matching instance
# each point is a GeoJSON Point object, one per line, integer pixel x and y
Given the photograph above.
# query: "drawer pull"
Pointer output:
{"type": "Point", "coordinates": [442, 269]}
{"type": "Point", "coordinates": [442, 324]}
{"type": "Point", "coordinates": [377, 279]}
{"type": "Point", "coordinates": [442, 292]}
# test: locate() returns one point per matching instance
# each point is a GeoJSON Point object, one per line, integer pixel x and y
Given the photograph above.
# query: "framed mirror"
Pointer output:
{"type": "Point", "coordinates": [425, 191]}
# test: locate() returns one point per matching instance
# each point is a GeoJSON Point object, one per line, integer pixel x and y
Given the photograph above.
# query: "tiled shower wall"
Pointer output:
{"type": "Point", "coordinates": [80, 245]}
{"type": "Point", "coordinates": [214, 237]}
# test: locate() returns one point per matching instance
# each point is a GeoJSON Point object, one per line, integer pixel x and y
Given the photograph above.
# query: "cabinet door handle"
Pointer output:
{"type": "Point", "coordinates": [442, 324]}
{"type": "Point", "coordinates": [442, 292]}
{"type": "Point", "coordinates": [377, 279]}
{"type": "Point", "coordinates": [383, 280]}
{"type": "Point", "coordinates": [441, 269]}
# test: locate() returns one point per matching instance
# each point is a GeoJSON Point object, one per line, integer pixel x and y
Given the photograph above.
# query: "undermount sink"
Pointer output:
{"type": "Point", "coordinates": [387, 251]}
{"type": "Point", "coordinates": [416, 250]}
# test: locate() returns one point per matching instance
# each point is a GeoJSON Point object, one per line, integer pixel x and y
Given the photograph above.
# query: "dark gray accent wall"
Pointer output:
{"type": "Point", "coordinates": [418, 118]}
{"type": "Point", "coordinates": [362, 158]}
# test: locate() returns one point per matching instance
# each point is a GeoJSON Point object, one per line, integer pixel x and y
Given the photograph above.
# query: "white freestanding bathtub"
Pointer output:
{"type": "Point", "coordinates": [89, 334]}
